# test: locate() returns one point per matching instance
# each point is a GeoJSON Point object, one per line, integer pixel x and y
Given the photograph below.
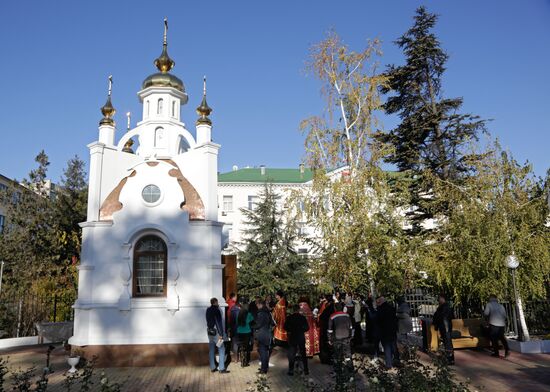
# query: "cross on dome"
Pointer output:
{"type": "Point", "coordinates": [164, 64]}
{"type": "Point", "coordinates": [204, 110]}
{"type": "Point", "coordinates": [108, 110]}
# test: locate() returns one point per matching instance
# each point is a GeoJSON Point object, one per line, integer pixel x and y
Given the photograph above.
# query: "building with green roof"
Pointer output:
{"type": "Point", "coordinates": [264, 174]}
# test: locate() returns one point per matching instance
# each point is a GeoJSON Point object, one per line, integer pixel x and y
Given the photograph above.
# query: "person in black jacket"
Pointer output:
{"type": "Point", "coordinates": [253, 306]}
{"type": "Point", "coordinates": [324, 316]}
{"type": "Point", "coordinates": [216, 336]}
{"type": "Point", "coordinates": [442, 321]}
{"type": "Point", "coordinates": [387, 323]}
{"type": "Point", "coordinates": [263, 327]}
{"type": "Point", "coordinates": [296, 326]}
{"type": "Point", "coordinates": [340, 330]}
{"type": "Point", "coordinates": [373, 327]}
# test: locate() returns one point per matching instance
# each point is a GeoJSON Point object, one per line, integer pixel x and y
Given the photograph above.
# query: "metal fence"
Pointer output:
{"type": "Point", "coordinates": [19, 313]}
{"type": "Point", "coordinates": [537, 315]}
{"type": "Point", "coordinates": [423, 304]}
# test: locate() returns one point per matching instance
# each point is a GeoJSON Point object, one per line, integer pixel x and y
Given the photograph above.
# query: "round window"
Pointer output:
{"type": "Point", "coordinates": [151, 193]}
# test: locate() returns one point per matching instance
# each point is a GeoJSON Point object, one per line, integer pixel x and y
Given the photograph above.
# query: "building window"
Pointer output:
{"type": "Point", "coordinates": [147, 108]}
{"type": "Point", "coordinates": [227, 235]}
{"type": "Point", "coordinates": [228, 203]}
{"type": "Point", "coordinates": [159, 106]}
{"type": "Point", "coordinates": [159, 137]}
{"type": "Point", "coordinates": [151, 193]}
{"type": "Point", "coordinates": [2, 222]}
{"type": "Point", "coordinates": [252, 202]}
{"type": "Point", "coordinates": [149, 278]}
{"type": "Point", "coordinates": [173, 108]}
{"type": "Point", "coordinates": [15, 197]}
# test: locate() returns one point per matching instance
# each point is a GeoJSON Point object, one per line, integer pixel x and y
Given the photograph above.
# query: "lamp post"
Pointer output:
{"type": "Point", "coordinates": [512, 262]}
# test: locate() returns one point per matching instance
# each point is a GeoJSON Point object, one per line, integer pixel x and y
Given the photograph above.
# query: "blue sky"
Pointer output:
{"type": "Point", "coordinates": [56, 57]}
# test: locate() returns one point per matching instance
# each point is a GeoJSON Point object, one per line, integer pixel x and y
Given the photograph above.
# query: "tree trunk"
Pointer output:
{"type": "Point", "coordinates": [523, 324]}
{"type": "Point", "coordinates": [519, 306]}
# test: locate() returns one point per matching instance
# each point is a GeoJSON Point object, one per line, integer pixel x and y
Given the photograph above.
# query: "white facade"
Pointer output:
{"type": "Point", "coordinates": [238, 193]}
{"type": "Point", "coordinates": [151, 244]}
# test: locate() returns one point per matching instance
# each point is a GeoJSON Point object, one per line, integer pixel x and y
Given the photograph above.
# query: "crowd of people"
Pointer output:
{"type": "Point", "coordinates": [338, 323]}
{"type": "Point", "coordinates": [334, 324]}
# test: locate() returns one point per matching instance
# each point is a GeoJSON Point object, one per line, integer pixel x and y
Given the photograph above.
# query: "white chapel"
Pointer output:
{"type": "Point", "coordinates": [151, 244]}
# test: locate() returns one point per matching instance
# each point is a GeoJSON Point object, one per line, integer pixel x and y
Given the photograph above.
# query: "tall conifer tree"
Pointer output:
{"type": "Point", "coordinates": [28, 241]}
{"type": "Point", "coordinates": [268, 261]}
{"type": "Point", "coordinates": [433, 135]}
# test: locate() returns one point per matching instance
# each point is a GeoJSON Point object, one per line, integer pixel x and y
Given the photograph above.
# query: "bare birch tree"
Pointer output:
{"type": "Point", "coordinates": [354, 204]}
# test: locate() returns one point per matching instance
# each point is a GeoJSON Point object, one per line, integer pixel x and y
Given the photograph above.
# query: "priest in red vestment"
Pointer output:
{"type": "Point", "coordinates": [279, 315]}
{"type": "Point", "coordinates": [312, 335]}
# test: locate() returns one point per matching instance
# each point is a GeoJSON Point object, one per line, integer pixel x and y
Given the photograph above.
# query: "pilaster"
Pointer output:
{"type": "Point", "coordinates": [94, 185]}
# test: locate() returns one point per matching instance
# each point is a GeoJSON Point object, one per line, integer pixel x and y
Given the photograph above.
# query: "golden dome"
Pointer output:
{"type": "Point", "coordinates": [204, 110]}
{"type": "Point", "coordinates": [164, 64]}
{"type": "Point", "coordinates": [128, 146]}
{"type": "Point", "coordinates": [163, 80]}
{"type": "Point", "coordinates": [108, 110]}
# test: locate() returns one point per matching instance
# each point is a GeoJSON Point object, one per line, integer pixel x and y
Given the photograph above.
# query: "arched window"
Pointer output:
{"type": "Point", "coordinates": [159, 106]}
{"type": "Point", "coordinates": [147, 108]}
{"type": "Point", "coordinates": [149, 278]}
{"type": "Point", "coordinates": [173, 108]}
{"type": "Point", "coordinates": [159, 137]}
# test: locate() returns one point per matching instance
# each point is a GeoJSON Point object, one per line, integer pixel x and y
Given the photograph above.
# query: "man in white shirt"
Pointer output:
{"type": "Point", "coordinates": [496, 315]}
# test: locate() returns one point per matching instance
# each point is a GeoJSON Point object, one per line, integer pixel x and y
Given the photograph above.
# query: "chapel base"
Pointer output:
{"type": "Point", "coordinates": [147, 355]}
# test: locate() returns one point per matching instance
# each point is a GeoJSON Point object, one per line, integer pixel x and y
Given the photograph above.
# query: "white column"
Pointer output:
{"type": "Point", "coordinates": [94, 184]}
{"type": "Point", "coordinates": [209, 158]}
{"type": "Point", "coordinates": [204, 133]}
{"type": "Point", "coordinates": [107, 134]}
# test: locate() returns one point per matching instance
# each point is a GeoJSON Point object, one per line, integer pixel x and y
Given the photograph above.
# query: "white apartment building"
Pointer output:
{"type": "Point", "coordinates": [49, 190]}
{"type": "Point", "coordinates": [240, 188]}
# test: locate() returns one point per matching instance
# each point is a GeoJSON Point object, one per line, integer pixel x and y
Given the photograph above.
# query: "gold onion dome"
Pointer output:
{"type": "Point", "coordinates": [108, 110]}
{"type": "Point", "coordinates": [128, 146]}
{"type": "Point", "coordinates": [164, 64]}
{"type": "Point", "coordinates": [204, 110]}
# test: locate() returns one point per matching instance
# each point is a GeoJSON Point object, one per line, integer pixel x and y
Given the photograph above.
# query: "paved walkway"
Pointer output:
{"type": "Point", "coordinates": [519, 372]}
{"type": "Point", "coordinates": [190, 379]}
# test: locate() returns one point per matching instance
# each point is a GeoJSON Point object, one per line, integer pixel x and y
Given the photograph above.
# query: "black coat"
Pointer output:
{"type": "Point", "coordinates": [214, 319]}
{"type": "Point", "coordinates": [263, 326]}
{"type": "Point", "coordinates": [443, 318]}
{"type": "Point", "coordinates": [325, 317]}
{"type": "Point", "coordinates": [253, 309]}
{"type": "Point", "coordinates": [387, 322]}
{"type": "Point", "coordinates": [373, 327]}
{"type": "Point", "coordinates": [296, 325]}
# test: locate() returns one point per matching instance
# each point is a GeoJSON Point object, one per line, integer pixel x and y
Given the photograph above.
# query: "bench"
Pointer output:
{"type": "Point", "coordinates": [466, 333]}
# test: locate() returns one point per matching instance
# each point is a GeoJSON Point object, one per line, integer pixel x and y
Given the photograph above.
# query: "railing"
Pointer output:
{"type": "Point", "coordinates": [423, 305]}
{"type": "Point", "coordinates": [537, 313]}
{"type": "Point", "coordinates": [18, 314]}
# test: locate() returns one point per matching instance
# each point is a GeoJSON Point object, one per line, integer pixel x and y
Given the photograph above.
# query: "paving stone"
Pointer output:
{"type": "Point", "coordinates": [519, 372]}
